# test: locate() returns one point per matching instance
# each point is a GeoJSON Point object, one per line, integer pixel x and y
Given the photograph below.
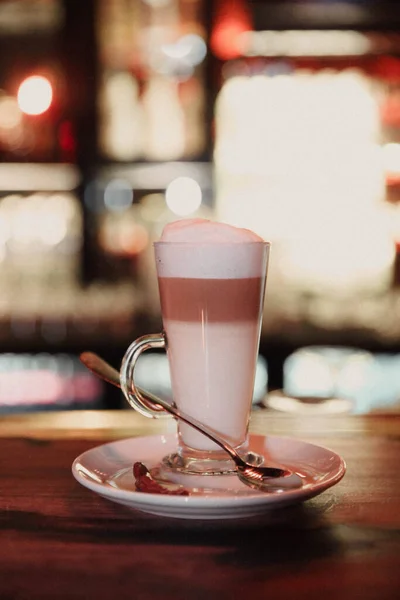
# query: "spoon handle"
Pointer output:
{"type": "Point", "coordinates": [100, 367]}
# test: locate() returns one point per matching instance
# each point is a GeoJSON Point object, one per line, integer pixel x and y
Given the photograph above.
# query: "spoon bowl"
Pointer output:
{"type": "Point", "coordinates": [267, 479]}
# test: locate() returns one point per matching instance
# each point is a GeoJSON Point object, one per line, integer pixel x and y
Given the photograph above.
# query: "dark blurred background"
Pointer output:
{"type": "Point", "coordinates": [118, 116]}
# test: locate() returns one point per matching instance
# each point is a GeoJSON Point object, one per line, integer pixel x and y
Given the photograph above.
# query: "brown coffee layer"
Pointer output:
{"type": "Point", "coordinates": [211, 300]}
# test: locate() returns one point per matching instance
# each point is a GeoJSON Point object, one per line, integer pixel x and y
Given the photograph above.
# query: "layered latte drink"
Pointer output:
{"type": "Point", "coordinates": [211, 280]}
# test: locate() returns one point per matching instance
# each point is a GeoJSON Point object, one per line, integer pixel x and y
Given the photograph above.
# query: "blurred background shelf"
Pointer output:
{"type": "Point", "coordinates": [118, 116]}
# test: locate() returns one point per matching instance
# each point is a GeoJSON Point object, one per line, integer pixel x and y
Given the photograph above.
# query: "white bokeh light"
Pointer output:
{"type": "Point", "coordinates": [35, 95]}
{"type": "Point", "coordinates": [190, 48]}
{"type": "Point", "coordinates": [183, 196]}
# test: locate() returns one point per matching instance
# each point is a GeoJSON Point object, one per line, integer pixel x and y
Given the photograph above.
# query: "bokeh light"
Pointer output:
{"type": "Point", "coordinates": [183, 196]}
{"type": "Point", "coordinates": [118, 195]}
{"type": "Point", "coordinates": [35, 95]}
{"type": "Point", "coordinates": [190, 48]}
{"type": "Point", "coordinates": [10, 113]}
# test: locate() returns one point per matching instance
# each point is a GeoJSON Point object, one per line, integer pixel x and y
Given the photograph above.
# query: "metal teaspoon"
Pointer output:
{"type": "Point", "coordinates": [257, 477]}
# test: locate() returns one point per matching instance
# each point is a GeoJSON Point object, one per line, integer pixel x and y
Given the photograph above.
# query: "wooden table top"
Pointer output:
{"type": "Point", "coordinates": [58, 540]}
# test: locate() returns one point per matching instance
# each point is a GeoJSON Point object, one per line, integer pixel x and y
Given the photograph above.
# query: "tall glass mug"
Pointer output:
{"type": "Point", "coordinates": [212, 298]}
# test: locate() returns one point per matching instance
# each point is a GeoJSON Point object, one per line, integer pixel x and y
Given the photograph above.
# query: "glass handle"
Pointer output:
{"type": "Point", "coordinates": [138, 399]}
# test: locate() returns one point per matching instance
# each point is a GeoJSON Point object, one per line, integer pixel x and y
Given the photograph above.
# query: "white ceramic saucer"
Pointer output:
{"type": "Point", "coordinates": [107, 470]}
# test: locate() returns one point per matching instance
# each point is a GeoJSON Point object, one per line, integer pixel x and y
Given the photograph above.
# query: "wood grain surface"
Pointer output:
{"type": "Point", "coordinates": [58, 540]}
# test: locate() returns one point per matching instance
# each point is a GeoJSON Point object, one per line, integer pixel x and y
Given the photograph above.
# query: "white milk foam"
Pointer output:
{"type": "Point", "coordinates": [204, 231]}
{"type": "Point", "coordinates": [202, 249]}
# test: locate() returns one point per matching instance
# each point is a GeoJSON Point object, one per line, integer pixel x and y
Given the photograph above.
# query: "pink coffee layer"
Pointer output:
{"type": "Point", "coordinates": [210, 300]}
